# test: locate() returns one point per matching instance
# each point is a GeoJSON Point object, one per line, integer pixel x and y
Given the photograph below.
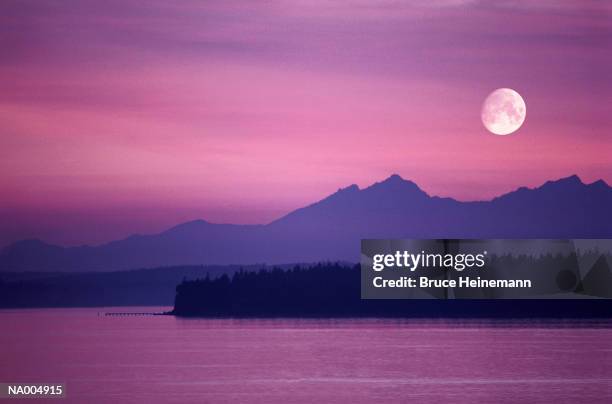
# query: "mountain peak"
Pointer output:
{"type": "Point", "coordinates": [571, 185]}
{"type": "Point", "coordinates": [350, 188]}
{"type": "Point", "coordinates": [572, 179]}
{"type": "Point", "coordinates": [394, 178]}
{"type": "Point", "coordinates": [599, 184]}
{"type": "Point", "coordinates": [396, 183]}
{"type": "Point", "coordinates": [566, 183]}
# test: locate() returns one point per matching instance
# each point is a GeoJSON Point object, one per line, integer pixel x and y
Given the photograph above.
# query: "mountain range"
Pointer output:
{"type": "Point", "coordinates": [331, 229]}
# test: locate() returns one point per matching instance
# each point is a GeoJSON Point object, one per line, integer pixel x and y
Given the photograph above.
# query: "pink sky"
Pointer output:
{"type": "Point", "coordinates": [129, 117]}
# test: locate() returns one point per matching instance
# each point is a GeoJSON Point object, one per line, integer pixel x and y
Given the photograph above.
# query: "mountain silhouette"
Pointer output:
{"type": "Point", "coordinates": [331, 229]}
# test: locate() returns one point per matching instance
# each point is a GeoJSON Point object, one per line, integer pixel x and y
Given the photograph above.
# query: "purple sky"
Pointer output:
{"type": "Point", "coordinates": [128, 117]}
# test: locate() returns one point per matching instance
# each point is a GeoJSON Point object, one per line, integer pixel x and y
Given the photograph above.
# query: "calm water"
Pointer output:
{"type": "Point", "coordinates": [163, 359]}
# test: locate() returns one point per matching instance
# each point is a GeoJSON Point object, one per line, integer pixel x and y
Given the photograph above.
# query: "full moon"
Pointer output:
{"type": "Point", "coordinates": [503, 111]}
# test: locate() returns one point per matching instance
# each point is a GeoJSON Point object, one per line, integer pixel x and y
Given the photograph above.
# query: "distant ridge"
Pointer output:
{"type": "Point", "coordinates": [332, 228]}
